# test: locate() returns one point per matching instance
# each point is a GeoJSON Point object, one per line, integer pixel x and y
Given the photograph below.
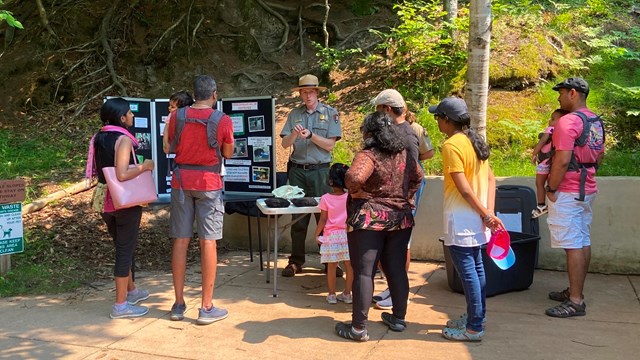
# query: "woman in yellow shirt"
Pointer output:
{"type": "Point", "coordinates": [469, 197]}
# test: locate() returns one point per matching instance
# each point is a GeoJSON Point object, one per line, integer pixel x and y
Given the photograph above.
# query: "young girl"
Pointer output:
{"type": "Point", "coordinates": [541, 156]}
{"type": "Point", "coordinates": [333, 226]}
{"type": "Point", "coordinates": [176, 101]}
{"type": "Point", "coordinates": [469, 197]}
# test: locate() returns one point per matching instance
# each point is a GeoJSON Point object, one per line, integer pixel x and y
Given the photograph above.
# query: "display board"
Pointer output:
{"type": "Point", "coordinates": [252, 168]}
{"type": "Point", "coordinates": [251, 171]}
{"type": "Point", "coordinates": [162, 160]}
{"type": "Point", "coordinates": [145, 130]}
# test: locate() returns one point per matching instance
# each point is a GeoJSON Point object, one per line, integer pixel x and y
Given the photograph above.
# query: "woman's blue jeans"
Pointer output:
{"type": "Point", "coordinates": [468, 263]}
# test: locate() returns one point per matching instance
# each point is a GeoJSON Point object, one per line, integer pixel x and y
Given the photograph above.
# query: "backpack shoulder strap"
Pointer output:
{"type": "Point", "coordinates": [212, 134]}
{"type": "Point", "coordinates": [181, 118]}
{"type": "Point", "coordinates": [212, 127]}
{"type": "Point", "coordinates": [586, 126]}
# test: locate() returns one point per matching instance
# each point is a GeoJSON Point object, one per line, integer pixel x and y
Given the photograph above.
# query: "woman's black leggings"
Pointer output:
{"type": "Point", "coordinates": [366, 247]}
{"type": "Point", "coordinates": [123, 226]}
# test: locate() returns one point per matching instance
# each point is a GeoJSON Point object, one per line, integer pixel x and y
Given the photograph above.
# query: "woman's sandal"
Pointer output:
{"type": "Point", "coordinates": [567, 309]}
{"type": "Point", "coordinates": [345, 330]}
{"type": "Point", "coordinates": [461, 334]}
{"type": "Point", "coordinates": [461, 322]}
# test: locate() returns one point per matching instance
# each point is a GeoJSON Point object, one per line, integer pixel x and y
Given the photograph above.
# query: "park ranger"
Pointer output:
{"type": "Point", "coordinates": [312, 129]}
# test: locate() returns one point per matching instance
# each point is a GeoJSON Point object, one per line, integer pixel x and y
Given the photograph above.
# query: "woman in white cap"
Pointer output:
{"type": "Point", "coordinates": [469, 197]}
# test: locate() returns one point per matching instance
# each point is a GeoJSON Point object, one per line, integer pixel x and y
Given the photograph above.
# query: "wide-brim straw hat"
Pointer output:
{"type": "Point", "coordinates": [308, 82]}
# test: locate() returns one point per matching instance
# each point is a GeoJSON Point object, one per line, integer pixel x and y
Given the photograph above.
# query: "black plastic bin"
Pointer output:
{"type": "Point", "coordinates": [518, 200]}
{"type": "Point", "coordinates": [517, 277]}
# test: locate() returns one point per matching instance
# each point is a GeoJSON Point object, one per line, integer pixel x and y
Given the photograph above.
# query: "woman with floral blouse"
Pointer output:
{"type": "Point", "coordinates": [379, 221]}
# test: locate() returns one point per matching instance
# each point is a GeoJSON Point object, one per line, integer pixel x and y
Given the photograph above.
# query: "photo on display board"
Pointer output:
{"type": "Point", "coordinates": [260, 174]}
{"type": "Point", "coordinates": [261, 154]}
{"type": "Point", "coordinates": [240, 148]}
{"type": "Point", "coordinates": [144, 141]}
{"type": "Point", "coordinates": [256, 123]}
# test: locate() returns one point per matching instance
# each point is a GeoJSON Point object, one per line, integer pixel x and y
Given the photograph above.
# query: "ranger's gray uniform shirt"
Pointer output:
{"type": "Point", "coordinates": [325, 122]}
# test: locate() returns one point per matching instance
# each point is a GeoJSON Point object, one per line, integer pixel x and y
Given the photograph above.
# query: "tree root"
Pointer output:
{"type": "Point", "coordinates": [336, 30]}
{"type": "Point", "coordinates": [285, 32]}
{"type": "Point", "coordinates": [324, 24]}
{"type": "Point", "coordinates": [167, 32]}
{"type": "Point", "coordinates": [107, 49]}
{"type": "Point", "coordinates": [343, 43]}
{"type": "Point", "coordinates": [44, 20]}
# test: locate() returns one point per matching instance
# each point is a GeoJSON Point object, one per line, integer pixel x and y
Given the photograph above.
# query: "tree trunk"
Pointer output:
{"type": "Point", "coordinates": [477, 88]}
{"type": "Point", "coordinates": [451, 7]}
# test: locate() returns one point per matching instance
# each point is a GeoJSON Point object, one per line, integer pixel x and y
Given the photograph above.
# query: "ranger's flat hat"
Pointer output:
{"type": "Point", "coordinates": [308, 82]}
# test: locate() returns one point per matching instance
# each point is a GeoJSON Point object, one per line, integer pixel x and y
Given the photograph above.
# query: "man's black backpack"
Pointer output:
{"type": "Point", "coordinates": [593, 136]}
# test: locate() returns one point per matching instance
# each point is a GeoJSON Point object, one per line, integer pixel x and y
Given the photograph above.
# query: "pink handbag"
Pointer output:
{"type": "Point", "coordinates": [133, 192]}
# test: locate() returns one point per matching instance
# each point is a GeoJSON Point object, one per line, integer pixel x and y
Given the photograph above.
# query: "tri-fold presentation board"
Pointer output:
{"type": "Point", "coordinates": [251, 171]}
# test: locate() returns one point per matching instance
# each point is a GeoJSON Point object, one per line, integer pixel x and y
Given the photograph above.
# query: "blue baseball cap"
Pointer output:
{"type": "Point", "coordinates": [507, 261]}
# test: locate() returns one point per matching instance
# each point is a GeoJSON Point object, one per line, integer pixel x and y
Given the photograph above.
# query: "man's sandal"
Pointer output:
{"type": "Point", "coordinates": [567, 309]}
{"type": "Point", "coordinates": [561, 295]}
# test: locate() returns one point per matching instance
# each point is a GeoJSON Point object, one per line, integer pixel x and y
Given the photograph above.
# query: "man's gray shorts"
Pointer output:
{"type": "Point", "coordinates": [205, 207]}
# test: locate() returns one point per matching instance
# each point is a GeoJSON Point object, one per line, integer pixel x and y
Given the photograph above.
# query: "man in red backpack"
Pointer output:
{"type": "Point", "coordinates": [200, 137]}
{"type": "Point", "coordinates": [578, 142]}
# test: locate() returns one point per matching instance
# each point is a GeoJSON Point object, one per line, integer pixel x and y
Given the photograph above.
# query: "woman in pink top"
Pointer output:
{"type": "Point", "coordinates": [333, 227]}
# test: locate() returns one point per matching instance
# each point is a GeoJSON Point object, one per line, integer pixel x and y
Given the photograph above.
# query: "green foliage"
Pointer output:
{"type": "Point", "coordinates": [432, 166]}
{"type": "Point", "coordinates": [34, 156]}
{"type": "Point", "coordinates": [364, 7]}
{"type": "Point", "coordinates": [343, 152]}
{"type": "Point", "coordinates": [620, 162]}
{"type": "Point", "coordinates": [38, 270]}
{"type": "Point", "coordinates": [330, 58]}
{"type": "Point", "coordinates": [7, 16]}
{"type": "Point", "coordinates": [628, 97]}
{"type": "Point", "coordinates": [599, 8]}
{"type": "Point", "coordinates": [421, 48]}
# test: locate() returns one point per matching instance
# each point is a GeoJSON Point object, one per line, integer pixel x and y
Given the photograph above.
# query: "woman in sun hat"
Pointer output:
{"type": "Point", "coordinates": [469, 197]}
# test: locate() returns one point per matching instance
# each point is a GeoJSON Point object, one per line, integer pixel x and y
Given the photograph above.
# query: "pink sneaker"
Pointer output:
{"type": "Point", "coordinates": [345, 298]}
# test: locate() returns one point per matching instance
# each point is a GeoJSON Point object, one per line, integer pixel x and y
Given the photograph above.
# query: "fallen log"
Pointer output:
{"type": "Point", "coordinates": [71, 190]}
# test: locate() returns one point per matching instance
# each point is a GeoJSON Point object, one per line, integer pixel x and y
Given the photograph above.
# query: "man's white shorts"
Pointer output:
{"type": "Point", "coordinates": [570, 221]}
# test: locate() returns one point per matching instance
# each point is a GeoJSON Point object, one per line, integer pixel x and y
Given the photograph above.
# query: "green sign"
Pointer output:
{"type": "Point", "coordinates": [11, 240]}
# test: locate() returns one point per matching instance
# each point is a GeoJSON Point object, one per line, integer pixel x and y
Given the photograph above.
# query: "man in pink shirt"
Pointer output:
{"type": "Point", "coordinates": [571, 190]}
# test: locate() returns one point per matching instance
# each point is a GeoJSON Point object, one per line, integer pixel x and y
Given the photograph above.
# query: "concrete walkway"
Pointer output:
{"type": "Point", "coordinates": [299, 323]}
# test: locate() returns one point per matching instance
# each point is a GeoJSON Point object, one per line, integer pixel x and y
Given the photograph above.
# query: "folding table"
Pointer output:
{"type": "Point", "coordinates": [296, 213]}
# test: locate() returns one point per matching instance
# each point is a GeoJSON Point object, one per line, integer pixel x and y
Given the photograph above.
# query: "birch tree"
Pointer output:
{"type": "Point", "coordinates": [477, 87]}
{"type": "Point", "coordinates": [451, 7]}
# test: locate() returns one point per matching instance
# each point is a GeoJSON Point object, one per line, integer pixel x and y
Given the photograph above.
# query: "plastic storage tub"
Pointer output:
{"type": "Point", "coordinates": [517, 277]}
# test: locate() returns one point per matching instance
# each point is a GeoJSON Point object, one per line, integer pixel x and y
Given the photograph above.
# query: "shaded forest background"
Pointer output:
{"type": "Point", "coordinates": [71, 54]}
